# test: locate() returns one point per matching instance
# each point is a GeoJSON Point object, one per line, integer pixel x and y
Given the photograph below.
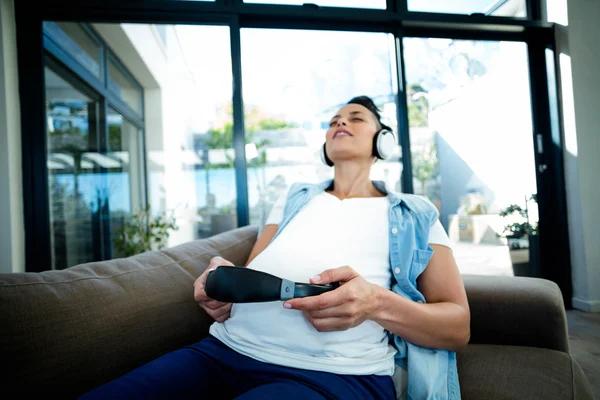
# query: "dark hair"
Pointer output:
{"type": "Point", "coordinates": [368, 103]}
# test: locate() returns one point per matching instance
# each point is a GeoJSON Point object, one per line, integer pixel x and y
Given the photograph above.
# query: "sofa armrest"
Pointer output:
{"type": "Point", "coordinates": [517, 311]}
{"type": "Point", "coordinates": [68, 331]}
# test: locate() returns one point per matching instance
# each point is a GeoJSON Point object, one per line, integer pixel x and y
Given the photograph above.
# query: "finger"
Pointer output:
{"type": "Point", "coordinates": [214, 304]}
{"type": "Point", "coordinates": [215, 262]}
{"type": "Point", "coordinates": [222, 311]}
{"type": "Point", "coordinates": [199, 293]}
{"type": "Point", "coordinates": [218, 261]}
{"type": "Point", "coordinates": [331, 324]}
{"type": "Point", "coordinates": [216, 312]}
{"type": "Point", "coordinates": [341, 274]}
{"type": "Point", "coordinates": [341, 311]}
{"type": "Point", "coordinates": [320, 302]}
{"type": "Point", "coordinates": [222, 318]}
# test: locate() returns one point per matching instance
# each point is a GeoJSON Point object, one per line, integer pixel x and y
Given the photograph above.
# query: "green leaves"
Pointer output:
{"type": "Point", "coordinates": [522, 227]}
{"type": "Point", "coordinates": [145, 232]}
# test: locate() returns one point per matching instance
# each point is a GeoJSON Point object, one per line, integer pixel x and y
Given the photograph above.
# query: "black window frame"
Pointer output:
{"type": "Point", "coordinates": [396, 19]}
{"type": "Point", "coordinates": [64, 64]}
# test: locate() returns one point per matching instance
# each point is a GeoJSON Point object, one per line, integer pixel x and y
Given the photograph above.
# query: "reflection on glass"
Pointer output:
{"type": "Point", "coordinates": [70, 134]}
{"type": "Point", "coordinates": [374, 4]}
{"type": "Point", "coordinates": [119, 84]}
{"type": "Point", "coordinates": [78, 43]}
{"type": "Point", "coordinates": [291, 94]}
{"type": "Point", "coordinates": [503, 8]}
{"type": "Point", "coordinates": [472, 148]}
{"type": "Point", "coordinates": [122, 182]}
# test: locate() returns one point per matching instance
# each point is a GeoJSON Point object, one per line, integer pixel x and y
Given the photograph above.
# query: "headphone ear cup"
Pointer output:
{"type": "Point", "coordinates": [383, 144]}
{"type": "Point", "coordinates": [326, 160]}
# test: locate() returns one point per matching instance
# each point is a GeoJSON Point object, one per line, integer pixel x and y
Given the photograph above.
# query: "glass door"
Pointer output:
{"type": "Point", "coordinates": [72, 126]}
{"type": "Point", "coordinates": [294, 82]}
{"type": "Point", "coordinates": [137, 117]}
{"type": "Point", "coordinates": [472, 148]}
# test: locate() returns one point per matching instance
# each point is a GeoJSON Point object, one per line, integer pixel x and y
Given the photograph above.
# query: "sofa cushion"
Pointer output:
{"type": "Point", "coordinates": [71, 330]}
{"type": "Point", "coordinates": [516, 372]}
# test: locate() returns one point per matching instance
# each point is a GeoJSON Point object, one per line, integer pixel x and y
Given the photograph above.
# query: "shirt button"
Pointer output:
{"type": "Point", "coordinates": [394, 231]}
{"type": "Point", "coordinates": [397, 270]}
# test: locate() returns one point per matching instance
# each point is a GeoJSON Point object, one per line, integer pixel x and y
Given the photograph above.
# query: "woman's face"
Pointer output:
{"type": "Point", "coordinates": [350, 134]}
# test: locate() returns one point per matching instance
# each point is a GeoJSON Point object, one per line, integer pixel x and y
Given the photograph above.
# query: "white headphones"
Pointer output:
{"type": "Point", "coordinates": [383, 146]}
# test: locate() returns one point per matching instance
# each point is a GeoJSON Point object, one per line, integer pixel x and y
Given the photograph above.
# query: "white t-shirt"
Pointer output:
{"type": "Point", "coordinates": [437, 234]}
{"type": "Point", "coordinates": [326, 233]}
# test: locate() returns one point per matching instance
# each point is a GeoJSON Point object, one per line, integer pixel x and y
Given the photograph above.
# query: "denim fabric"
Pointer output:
{"type": "Point", "coordinates": [209, 369]}
{"type": "Point", "coordinates": [432, 373]}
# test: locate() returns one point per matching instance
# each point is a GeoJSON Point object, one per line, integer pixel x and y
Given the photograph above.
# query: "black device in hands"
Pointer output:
{"type": "Point", "coordinates": [243, 285]}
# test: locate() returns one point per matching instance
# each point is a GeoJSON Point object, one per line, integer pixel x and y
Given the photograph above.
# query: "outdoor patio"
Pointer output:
{"type": "Point", "coordinates": [482, 259]}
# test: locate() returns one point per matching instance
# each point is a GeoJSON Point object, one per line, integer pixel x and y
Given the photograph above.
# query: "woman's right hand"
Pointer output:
{"type": "Point", "coordinates": [216, 309]}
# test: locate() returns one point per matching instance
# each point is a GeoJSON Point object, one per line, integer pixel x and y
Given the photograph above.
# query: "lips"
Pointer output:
{"type": "Point", "coordinates": [341, 132]}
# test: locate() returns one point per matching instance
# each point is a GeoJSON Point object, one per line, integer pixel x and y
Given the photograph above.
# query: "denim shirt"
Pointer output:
{"type": "Point", "coordinates": [432, 373]}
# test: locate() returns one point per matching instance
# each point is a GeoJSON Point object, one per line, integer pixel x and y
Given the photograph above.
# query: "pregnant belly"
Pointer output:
{"type": "Point", "coordinates": [269, 325]}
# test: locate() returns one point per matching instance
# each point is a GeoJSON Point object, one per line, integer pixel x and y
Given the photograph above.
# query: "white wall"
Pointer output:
{"type": "Point", "coordinates": [579, 57]}
{"type": "Point", "coordinates": [12, 253]}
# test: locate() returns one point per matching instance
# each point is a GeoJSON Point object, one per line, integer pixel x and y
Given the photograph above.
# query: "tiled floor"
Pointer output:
{"type": "Point", "coordinates": [584, 340]}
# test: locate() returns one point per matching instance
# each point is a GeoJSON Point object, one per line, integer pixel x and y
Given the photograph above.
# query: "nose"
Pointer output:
{"type": "Point", "coordinates": [341, 121]}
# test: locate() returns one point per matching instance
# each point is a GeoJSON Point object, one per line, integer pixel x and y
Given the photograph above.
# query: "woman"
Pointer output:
{"type": "Point", "coordinates": [400, 312]}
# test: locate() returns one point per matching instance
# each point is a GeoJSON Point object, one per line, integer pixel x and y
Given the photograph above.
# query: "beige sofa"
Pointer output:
{"type": "Point", "coordinates": [66, 332]}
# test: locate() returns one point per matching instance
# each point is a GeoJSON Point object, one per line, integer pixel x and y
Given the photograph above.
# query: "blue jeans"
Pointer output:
{"type": "Point", "coordinates": [211, 370]}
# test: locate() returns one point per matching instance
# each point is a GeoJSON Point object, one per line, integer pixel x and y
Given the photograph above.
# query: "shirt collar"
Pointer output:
{"type": "Point", "coordinates": [395, 198]}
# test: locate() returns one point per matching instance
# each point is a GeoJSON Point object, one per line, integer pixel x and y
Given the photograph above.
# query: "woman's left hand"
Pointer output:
{"type": "Point", "coordinates": [340, 309]}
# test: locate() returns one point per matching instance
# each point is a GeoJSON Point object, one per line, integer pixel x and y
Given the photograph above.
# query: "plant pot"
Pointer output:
{"type": "Point", "coordinates": [524, 255]}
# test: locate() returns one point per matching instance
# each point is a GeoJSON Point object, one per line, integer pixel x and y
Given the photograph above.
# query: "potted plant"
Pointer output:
{"type": "Point", "coordinates": [144, 232]}
{"type": "Point", "coordinates": [522, 239]}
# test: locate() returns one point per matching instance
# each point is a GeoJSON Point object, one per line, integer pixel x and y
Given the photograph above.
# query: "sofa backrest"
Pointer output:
{"type": "Point", "coordinates": [66, 332]}
{"type": "Point", "coordinates": [517, 311]}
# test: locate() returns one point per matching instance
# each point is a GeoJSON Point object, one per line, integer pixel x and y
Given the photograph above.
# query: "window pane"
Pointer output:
{"type": "Point", "coordinates": [71, 136]}
{"type": "Point", "coordinates": [188, 126]}
{"type": "Point", "coordinates": [76, 41]}
{"type": "Point", "coordinates": [291, 95]}
{"type": "Point", "coordinates": [122, 86]}
{"type": "Point", "coordinates": [375, 4]}
{"type": "Point", "coordinates": [505, 8]}
{"type": "Point", "coordinates": [472, 147]}
{"type": "Point", "coordinates": [122, 182]}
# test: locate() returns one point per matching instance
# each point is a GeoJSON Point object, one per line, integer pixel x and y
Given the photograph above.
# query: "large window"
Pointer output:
{"type": "Point", "coordinates": [210, 109]}
{"type": "Point", "coordinates": [472, 147]}
{"type": "Point", "coordinates": [168, 145]}
{"type": "Point", "coordinates": [94, 133]}
{"type": "Point", "coordinates": [290, 96]}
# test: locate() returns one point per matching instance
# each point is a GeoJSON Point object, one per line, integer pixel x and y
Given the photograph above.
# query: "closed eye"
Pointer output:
{"type": "Point", "coordinates": [353, 120]}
